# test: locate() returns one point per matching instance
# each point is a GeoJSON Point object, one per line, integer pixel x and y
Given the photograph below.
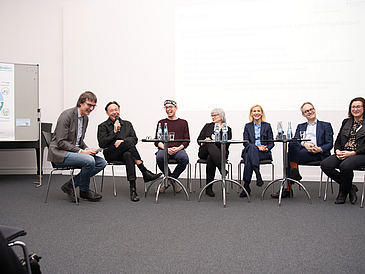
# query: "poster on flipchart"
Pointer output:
{"type": "Point", "coordinates": [19, 102]}
{"type": "Point", "coordinates": [7, 102]}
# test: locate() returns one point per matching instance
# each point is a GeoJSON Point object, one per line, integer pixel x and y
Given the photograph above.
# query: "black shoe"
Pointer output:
{"type": "Point", "coordinates": [352, 194]}
{"type": "Point", "coordinates": [243, 193]}
{"type": "Point", "coordinates": [149, 176]}
{"type": "Point", "coordinates": [341, 198]}
{"type": "Point", "coordinates": [90, 196]}
{"type": "Point", "coordinates": [246, 185]}
{"type": "Point", "coordinates": [260, 183]}
{"type": "Point", "coordinates": [134, 195]}
{"type": "Point", "coordinates": [285, 194]}
{"type": "Point", "coordinates": [294, 174]}
{"type": "Point", "coordinates": [209, 191]}
{"type": "Point", "coordinates": [248, 189]}
{"type": "Point", "coordinates": [69, 190]}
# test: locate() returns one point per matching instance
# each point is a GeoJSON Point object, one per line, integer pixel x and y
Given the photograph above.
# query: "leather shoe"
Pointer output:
{"type": "Point", "coordinates": [352, 194]}
{"type": "Point", "coordinates": [243, 193]}
{"type": "Point", "coordinates": [209, 191]}
{"type": "Point", "coordinates": [294, 174]}
{"type": "Point", "coordinates": [134, 195]}
{"type": "Point", "coordinates": [285, 194]}
{"type": "Point", "coordinates": [248, 189]}
{"type": "Point", "coordinates": [149, 176]}
{"type": "Point", "coordinates": [90, 195]}
{"type": "Point", "coordinates": [69, 190]}
{"type": "Point", "coordinates": [341, 198]}
{"type": "Point", "coordinates": [260, 183]}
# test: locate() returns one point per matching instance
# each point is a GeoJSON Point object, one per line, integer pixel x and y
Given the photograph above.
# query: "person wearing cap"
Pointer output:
{"type": "Point", "coordinates": [119, 139]}
{"type": "Point", "coordinates": [176, 150]}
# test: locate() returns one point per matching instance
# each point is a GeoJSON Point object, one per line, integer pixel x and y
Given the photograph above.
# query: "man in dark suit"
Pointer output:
{"type": "Point", "coordinates": [68, 147]}
{"type": "Point", "coordinates": [321, 135]}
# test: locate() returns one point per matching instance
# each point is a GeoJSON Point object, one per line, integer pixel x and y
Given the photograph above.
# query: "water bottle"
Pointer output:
{"type": "Point", "coordinates": [290, 132]}
{"type": "Point", "coordinates": [165, 133]}
{"type": "Point", "coordinates": [224, 132]}
{"type": "Point", "coordinates": [217, 132]}
{"type": "Point", "coordinates": [159, 132]}
{"type": "Point", "coordinates": [280, 130]}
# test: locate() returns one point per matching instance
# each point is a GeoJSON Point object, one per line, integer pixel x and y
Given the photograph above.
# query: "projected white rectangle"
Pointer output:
{"type": "Point", "coordinates": [277, 53]}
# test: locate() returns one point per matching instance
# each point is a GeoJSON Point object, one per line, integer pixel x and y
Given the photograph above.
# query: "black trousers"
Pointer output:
{"type": "Point", "coordinates": [346, 169]}
{"type": "Point", "coordinates": [212, 154]}
{"type": "Point", "coordinates": [126, 152]}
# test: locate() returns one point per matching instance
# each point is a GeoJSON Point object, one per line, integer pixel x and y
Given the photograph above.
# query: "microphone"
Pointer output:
{"type": "Point", "coordinates": [117, 119]}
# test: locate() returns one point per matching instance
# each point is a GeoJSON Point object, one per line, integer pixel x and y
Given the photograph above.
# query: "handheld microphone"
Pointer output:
{"type": "Point", "coordinates": [117, 119]}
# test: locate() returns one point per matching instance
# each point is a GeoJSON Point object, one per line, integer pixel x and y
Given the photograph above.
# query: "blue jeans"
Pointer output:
{"type": "Point", "coordinates": [90, 165]}
{"type": "Point", "coordinates": [181, 157]}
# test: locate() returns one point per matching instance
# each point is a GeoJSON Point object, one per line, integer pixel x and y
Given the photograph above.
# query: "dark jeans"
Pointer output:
{"type": "Point", "coordinates": [252, 156]}
{"type": "Point", "coordinates": [346, 169]}
{"type": "Point", "coordinates": [126, 152]}
{"type": "Point", "coordinates": [212, 154]}
{"type": "Point", "coordinates": [181, 157]}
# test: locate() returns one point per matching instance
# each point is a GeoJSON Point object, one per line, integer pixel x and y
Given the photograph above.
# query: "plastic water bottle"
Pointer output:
{"type": "Point", "coordinates": [280, 130]}
{"type": "Point", "coordinates": [159, 132]}
{"type": "Point", "coordinates": [217, 132]}
{"type": "Point", "coordinates": [224, 132]}
{"type": "Point", "coordinates": [290, 132]}
{"type": "Point", "coordinates": [165, 133]}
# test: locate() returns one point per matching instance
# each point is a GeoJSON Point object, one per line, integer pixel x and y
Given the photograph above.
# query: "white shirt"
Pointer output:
{"type": "Point", "coordinates": [311, 132]}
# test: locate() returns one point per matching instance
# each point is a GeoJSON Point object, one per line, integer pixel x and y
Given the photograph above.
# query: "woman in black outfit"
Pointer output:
{"type": "Point", "coordinates": [349, 152]}
{"type": "Point", "coordinates": [212, 151]}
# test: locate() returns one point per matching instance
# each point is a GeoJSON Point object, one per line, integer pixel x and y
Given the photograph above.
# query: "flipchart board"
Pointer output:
{"type": "Point", "coordinates": [19, 102]}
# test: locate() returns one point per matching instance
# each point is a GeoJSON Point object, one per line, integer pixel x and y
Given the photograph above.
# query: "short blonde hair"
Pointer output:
{"type": "Point", "coordinates": [263, 117]}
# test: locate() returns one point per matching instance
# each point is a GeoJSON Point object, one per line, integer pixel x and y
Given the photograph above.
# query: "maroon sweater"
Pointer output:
{"type": "Point", "coordinates": [181, 129]}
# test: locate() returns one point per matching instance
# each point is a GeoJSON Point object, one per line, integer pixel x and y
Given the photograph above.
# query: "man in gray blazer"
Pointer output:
{"type": "Point", "coordinates": [68, 147]}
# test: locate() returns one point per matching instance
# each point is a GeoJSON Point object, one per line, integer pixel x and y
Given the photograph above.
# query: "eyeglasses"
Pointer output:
{"type": "Point", "coordinates": [168, 107]}
{"type": "Point", "coordinates": [356, 107]}
{"type": "Point", "coordinates": [214, 115]}
{"type": "Point", "coordinates": [308, 110]}
{"type": "Point", "coordinates": [91, 105]}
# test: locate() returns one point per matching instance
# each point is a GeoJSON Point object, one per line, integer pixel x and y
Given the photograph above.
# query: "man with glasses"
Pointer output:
{"type": "Point", "coordinates": [68, 148]}
{"type": "Point", "coordinates": [176, 150]}
{"type": "Point", "coordinates": [120, 139]}
{"type": "Point", "coordinates": [317, 149]}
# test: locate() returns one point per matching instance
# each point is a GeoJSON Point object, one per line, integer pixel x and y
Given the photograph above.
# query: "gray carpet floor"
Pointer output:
{"type": "Point", "coordinates": [179, 236]}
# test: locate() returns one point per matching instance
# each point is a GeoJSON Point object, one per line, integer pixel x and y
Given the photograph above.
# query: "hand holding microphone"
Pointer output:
{"type": "Point", "coordinates": [116, 123]}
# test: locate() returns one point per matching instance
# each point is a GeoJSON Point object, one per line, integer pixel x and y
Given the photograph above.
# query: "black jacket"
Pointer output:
{"type": "Point", "coordinates": [345, 132]}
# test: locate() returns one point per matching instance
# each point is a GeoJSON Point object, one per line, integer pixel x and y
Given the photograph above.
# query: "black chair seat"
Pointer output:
{"type": "Point", "coordinates": [11, 233]}
{"type": "Point", "coordinates": [65, 167]}
{"type": "Point", "coordinates": [313, 163]}
{"type": "Point", "coordinates": [119, 163]}
{"type": "Point", "coordinates": [262, 162]}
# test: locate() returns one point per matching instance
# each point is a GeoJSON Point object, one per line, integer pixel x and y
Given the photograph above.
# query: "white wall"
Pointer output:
{"type": "Point", "coordinates": [140, 75]}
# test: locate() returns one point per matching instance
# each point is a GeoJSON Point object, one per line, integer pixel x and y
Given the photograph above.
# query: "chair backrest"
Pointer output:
{"type": "Point", "coordinates": [10, 233]}
{"type": "Point", "coordinates": [47, 137]}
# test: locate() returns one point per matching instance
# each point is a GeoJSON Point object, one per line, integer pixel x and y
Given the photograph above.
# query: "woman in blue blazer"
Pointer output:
{"type": "Point", "coordinates": [255, 150]}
